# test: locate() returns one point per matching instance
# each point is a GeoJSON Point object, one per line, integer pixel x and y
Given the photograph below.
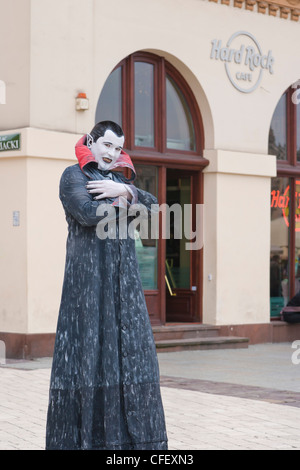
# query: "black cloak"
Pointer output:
{"type": "Point", "coordinates": [104, 388]}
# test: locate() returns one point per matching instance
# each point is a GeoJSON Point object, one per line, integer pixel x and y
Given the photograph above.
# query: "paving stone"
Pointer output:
{"type": "Point", "coordinates": [200, 413]}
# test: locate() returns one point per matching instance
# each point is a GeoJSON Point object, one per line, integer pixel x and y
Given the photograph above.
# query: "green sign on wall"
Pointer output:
{"type": "Point", "coordinates": [10, 142]}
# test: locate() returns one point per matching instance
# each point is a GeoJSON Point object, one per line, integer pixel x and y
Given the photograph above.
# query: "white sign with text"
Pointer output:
{"type": "Point", "coordinates": [244, 60]}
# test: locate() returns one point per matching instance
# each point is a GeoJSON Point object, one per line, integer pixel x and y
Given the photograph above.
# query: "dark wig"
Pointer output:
{"type": "Point", "coordinates": [100, 129]}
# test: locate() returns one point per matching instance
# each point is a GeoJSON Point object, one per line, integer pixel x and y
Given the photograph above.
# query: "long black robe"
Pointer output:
{"type": "Point", "coordinates": [104, 389]}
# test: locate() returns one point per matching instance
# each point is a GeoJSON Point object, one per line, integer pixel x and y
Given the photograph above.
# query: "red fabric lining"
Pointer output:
{"type": "Point", "coordinates": [85, 156]}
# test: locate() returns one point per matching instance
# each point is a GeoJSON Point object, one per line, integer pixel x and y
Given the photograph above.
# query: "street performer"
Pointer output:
{"type": "Point", "coordinates": [104, 389]}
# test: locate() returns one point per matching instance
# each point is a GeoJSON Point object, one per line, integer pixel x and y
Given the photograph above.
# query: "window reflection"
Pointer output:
{"type": "Point", "coordinates": [297, 237]}
{"type": "Point", "coordinates": [180, 129]}
{"type": "Point", "coordinates": [146, 248]}
{"type": "Point", "coordinates": [278, 132]}
{"type": "Point", "coordinates": [145, 89]}
{"type": "Point", "coordinates": [178, 258]}
{"type": "Point", "coordinates": [143, 104]}
{"type": "Point", "coordinates": [109, 107]}
{"type": "Point", "coordinates": [279, 258]}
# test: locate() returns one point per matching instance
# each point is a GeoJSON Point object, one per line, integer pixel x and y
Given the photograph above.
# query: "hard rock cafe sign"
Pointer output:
{"type": "Point", "coordinates": [281, 200]}
{"type": "Point", "coordinates": [244, 60]}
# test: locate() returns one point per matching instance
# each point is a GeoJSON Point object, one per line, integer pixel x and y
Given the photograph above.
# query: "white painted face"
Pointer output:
{"type": "Point", "coordinates": [107, 149]}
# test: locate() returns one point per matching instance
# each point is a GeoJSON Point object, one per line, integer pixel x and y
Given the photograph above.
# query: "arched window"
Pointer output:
{"type": "Point", "coordinates": [110, 100]}
{"type": "Point", "coordinates": [180, 127]}
{"type": "Point", "coordinates": [153, 104]}
{"type": "Point", "coordinates": [161, 121]}
{"type": "Point", "coordinates": [284, 142]}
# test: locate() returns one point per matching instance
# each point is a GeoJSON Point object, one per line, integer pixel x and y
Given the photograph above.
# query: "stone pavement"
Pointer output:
{"type": "Point", "coordinates": [218, 399]}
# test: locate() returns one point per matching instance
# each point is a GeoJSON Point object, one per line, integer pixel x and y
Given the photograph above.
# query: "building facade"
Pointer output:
{"type": "Point", "coordinates": [207, 94]}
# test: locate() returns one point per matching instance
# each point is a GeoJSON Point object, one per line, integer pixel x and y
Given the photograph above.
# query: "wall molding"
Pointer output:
{"type": "Point", "coordinates": [286, 9]}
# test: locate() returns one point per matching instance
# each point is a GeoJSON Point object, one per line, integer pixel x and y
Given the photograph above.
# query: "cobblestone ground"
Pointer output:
{"type": "Point", "coordinates": [200, 414]}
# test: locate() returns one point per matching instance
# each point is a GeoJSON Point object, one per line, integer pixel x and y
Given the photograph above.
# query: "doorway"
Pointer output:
{"type": "Point", "coordinates": [171, 274]}
{"type": "Point", "coordinates": [182, 277]}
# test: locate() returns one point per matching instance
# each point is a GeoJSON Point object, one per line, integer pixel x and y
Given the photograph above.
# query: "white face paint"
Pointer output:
{"type": "Point", "coordinates": [107, 149]}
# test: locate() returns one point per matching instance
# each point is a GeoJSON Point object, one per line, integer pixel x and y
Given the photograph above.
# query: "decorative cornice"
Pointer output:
{"type": "Point", "coordinates": [287, 9]}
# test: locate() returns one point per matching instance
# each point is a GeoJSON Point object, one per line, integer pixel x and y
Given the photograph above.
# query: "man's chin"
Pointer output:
{"type": "Point", "coordinates": [104, 166]}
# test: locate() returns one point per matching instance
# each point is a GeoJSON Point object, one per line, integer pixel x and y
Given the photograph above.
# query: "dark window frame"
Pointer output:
{"type": "Point", "coordinates": [291, 168]}
{"type": "Point", "coordinates": [163, 158]}
{"type": "Point", "coordinates": [162, 68]}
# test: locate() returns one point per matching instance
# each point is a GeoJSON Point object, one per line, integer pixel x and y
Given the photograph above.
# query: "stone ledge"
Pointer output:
{"type": "Point", "coordinates": [27, 346]}
{"type": "Point", "coordinates": [240, 163]}
{"type": "Point", "coordinates": [273, 332]}
{"type": "Point", "coordinates": [218, 342]}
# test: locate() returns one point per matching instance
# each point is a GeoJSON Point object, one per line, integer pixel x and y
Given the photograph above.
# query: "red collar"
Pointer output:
{"type": "Point", "coordinates": [85, 156]}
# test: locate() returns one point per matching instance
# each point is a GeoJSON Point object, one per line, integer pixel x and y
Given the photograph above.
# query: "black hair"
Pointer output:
{"type": "Point", "coordinates": [100, 129]}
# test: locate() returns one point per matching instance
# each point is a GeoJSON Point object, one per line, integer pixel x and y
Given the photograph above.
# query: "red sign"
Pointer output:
{"type": "Point", "coordinates": [281, 201]}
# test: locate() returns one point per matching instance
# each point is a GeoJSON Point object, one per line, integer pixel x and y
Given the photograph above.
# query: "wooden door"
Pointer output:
{"type": "Point", "coordinates": [183, 266]}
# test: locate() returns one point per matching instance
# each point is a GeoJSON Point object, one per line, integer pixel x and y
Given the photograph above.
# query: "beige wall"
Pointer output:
{"type": "Point", "coordinates": [236, 237]}
{"type": "Point", "coordinates": [13, 242]}
{"type": "Point", "coordinates": [57, 48]}
{"type": "Point", "coordinates": [15, 63]}
{"type": "Point", "coordinates": [33, 254]}
{"type": "Point", "coordinates": [74, 45]}
{"type": "Point", "coordinates": [46, 241]}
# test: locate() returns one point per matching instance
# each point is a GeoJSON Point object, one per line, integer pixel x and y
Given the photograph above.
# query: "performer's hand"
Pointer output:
{"type": "Point", "coordinates": [107, 189]}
